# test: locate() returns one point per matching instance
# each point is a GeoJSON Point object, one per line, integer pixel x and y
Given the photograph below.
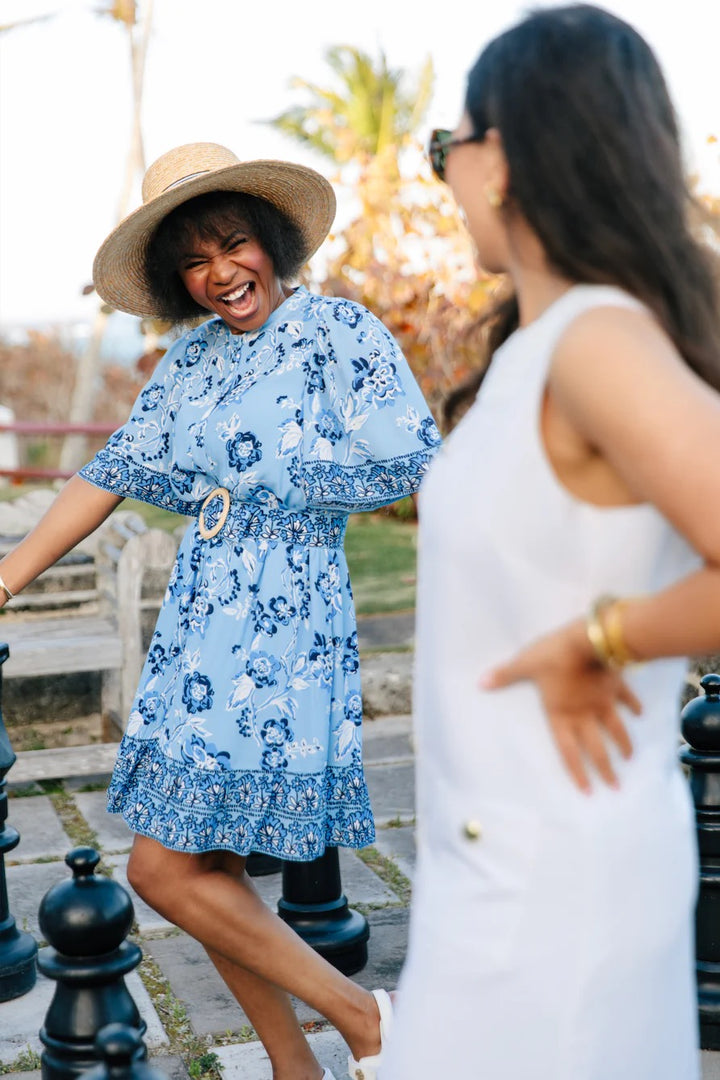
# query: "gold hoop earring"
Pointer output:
{"type": "Point", "coordinates": [494, 198]}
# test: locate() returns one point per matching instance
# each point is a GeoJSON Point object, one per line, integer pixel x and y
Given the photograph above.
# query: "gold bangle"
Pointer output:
{"type": "Point", "coordinates": [617, 646]}
{"type": "Point", "coordinates": [605, 632]}
{"type": "Point", "coordinates": [3, 586]}
{"type": "Point", "coordinates": [595, 630]}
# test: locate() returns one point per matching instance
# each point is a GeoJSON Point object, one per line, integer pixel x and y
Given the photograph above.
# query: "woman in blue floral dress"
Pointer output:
{"type": "Point", "coordinates": [267, 424]}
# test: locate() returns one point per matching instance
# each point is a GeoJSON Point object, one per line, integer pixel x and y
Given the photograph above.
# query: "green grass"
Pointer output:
{"type": "Point", "coordinates": [388, 871]}
{"type": "Point", "coordinates": [381, 553]}
{"type": "Point", "coordinates": [27, 1061]}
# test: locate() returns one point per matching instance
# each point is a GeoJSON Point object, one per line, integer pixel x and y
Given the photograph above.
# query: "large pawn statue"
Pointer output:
{"type": "Point", "coordinates": [701, 731]}
{"type": "Point", "coordinates": [18, 950]}
{"type": "Point", "coordinates": [122, 1053]}
{"type": "Point", "coordinates": [86, 921]}
{"type": "Point", "coordinates": [314, 905]}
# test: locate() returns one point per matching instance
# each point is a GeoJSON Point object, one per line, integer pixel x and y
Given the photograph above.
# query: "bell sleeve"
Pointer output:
{"type": "Point", "coordinates": [368, 435]}
{"type": "Point", "coordinates": [137, 460]}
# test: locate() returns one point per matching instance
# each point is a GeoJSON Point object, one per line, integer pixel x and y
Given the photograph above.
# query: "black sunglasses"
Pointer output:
{"type": "Point", "coordinates": [441, 142]}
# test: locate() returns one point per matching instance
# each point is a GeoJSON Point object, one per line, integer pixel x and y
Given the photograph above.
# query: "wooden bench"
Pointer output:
{"type": "Point", "coordinates": [92, 611]}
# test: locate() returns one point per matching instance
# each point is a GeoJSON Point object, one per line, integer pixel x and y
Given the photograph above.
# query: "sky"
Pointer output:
{"type": "Point", "coordinates": [215, 70]}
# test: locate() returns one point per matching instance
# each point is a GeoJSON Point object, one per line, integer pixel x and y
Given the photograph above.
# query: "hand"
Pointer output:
{"type": "Point", "coordinates": [580, 698]}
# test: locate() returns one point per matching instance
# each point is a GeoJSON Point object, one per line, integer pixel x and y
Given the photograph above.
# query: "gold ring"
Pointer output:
{"type": "Point", "coordinates": [207, 534]}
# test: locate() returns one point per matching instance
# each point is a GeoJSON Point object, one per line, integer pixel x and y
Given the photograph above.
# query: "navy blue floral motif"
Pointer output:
{"type": "Point", "coordinates": [150, 707]}
{"type": "Point", "coordinates": [245, 733]}
{"type": "Point", "coordinates": [181, 479]}
{"type": "Point", "coordinates": [347, 312]}
{"type": "Point", "coordinates": [282, 609]}
{"type": "Point", "coordinates": [262, 620]}
{"type": "Point", "coordinates": [351, 658]}
{"type": "Point", "coordinates": [243, 450]}
{"type": "Point", "coordinates": [158, 658]}
{"type": "Point", "coordinates": [428, 432]}
{"type": "Point", "coordinates": [353, 707]}
{"type": "Point", "coordinates": [329, 427]}
{"type": "Point", "coordinates": [275, 732]}
{"type": "Point", "coordinates": [328, 584]}
{"type": "Point", "coordinates": [151, 397]}
{"type": "Point", "coordinates": [199, 614]}
{"type": "Point", "coordinates": [197, 692]}
{"type": "Point", "coordinates": [205, 755]}
{"type": "Point", "coordinates": [194, 353]}
{"type": "Point", "coordinates": [377, 379]}
{"type": "Point", "coordinates": [262, 669]}
{"type": "Point", "coordinates": [321, 659]}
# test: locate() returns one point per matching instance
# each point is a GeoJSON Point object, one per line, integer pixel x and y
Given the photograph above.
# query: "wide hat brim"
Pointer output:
{"type": "Point", "coordinates": [305, 196]}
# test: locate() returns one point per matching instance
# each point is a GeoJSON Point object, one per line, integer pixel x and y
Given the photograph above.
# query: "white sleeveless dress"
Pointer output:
{"type": "Point", "coordinates": [551, 932]}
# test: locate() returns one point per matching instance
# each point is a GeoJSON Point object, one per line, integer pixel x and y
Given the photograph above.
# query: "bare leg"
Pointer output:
{"type": "Point", "coordinates": [271, 1014]}
{"type": "Point", "coordinates": [258, 955]}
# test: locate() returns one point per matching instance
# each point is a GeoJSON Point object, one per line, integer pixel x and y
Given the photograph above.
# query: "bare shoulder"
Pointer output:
{"type": "Point", "coordinates": [619, 360]}
{"type": "Point", "coordinates": [619, 382]}
{"type": "Point", "coordinates": [615, 342]}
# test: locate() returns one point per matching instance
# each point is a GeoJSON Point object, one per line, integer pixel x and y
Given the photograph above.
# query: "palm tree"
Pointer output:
{"type": "Point", "coordinates": [376, 107]}
{"type": "Point", "coordinates": [405, 254]}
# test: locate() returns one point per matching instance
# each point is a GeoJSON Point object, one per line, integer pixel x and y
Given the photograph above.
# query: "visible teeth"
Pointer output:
{"type": "Point", "coordinates": [231, 297]}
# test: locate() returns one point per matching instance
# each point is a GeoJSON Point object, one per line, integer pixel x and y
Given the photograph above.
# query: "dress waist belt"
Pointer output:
{"type": "Point", "coordinates": [232, 519]}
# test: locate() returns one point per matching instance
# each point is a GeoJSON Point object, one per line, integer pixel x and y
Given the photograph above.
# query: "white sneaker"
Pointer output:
{"type": "Point", "coordinates": [367, 1068]}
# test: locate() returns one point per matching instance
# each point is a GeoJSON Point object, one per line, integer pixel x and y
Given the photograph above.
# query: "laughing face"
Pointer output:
{"type": "Point", "coordinates": [233, 277]}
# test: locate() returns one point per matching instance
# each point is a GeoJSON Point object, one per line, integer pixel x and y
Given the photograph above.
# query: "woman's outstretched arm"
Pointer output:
{"type": "Point", "coordinates": [76, 512]}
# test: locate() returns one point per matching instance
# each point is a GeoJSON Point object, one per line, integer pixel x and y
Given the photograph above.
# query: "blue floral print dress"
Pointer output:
{"type": "Point", "coordinates": [245, 731]}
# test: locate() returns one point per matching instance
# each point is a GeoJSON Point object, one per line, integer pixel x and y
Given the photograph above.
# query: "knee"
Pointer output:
{"type": "Point", "coordinates": [149, 875]}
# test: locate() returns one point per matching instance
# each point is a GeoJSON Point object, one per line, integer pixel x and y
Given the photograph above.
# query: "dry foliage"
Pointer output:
{"type": "Point", "coordinates": [406, 256]}
{"type": "Point", "coordinates": [36, 382]}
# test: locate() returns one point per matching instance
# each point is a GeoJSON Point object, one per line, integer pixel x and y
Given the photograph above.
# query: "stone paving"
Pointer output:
{"type": "Point", "coordinates": [215, 1020]}
{"type": "Point", "coordinates": [192, 989]}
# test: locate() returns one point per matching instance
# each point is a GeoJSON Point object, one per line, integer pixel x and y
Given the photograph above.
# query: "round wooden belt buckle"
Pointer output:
{"type": "Point", "coordinates": [207, 534]}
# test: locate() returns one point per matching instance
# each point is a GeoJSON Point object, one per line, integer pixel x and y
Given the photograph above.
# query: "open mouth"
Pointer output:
{"type": "Point", "coordinates": [239, 300]}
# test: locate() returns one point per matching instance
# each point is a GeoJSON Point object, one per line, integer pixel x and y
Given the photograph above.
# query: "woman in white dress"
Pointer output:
{"type": "Point", "coordinates": [569, 558]}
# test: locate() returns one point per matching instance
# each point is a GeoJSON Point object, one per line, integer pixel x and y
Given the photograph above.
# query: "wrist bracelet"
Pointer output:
{"type": "Point", "coordinates": [617, 646]}
{"type": "Point", "coordinates": [595, 630]}
{"type": "Point", "coordinates": [3, 586]}
{"type": "Point", "coordinates": [603, 627]}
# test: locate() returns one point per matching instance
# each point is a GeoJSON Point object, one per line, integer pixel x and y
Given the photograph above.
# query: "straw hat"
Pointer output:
{"type": "Point", "coordinates": [304, 195]}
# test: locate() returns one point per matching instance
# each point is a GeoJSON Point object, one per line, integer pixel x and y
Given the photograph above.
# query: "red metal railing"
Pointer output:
{"type": "Point", "coordinates": [26, 427]}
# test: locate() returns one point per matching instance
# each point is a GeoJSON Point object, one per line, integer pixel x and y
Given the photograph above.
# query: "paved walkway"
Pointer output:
{"type": "Point", "coordinates": [187, 1008]}
{"type": "Point", "coordinates": [190, 1010]}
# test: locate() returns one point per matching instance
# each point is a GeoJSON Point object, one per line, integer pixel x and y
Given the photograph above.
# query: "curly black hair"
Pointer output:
{"type": "Point", "coordinates": [212, 217]}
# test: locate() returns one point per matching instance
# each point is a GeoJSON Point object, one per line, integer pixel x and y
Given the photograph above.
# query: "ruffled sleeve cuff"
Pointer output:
{"type": "Point", "coordinates": [119, 475]}
{"type": "Point", "coordinates": [354, 488]}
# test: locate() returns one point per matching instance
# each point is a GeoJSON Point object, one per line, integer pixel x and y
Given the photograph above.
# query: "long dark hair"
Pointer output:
{"type": "Point", "coordinates": [593, 150]}
{"type": "Point", "coordinates": [212, 217]}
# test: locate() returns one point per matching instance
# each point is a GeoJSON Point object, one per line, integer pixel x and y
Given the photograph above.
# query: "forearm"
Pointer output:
{"type": "Point", "coordinates": [76, 512]}
{"type": "Point", "coordinates": [683, 620]}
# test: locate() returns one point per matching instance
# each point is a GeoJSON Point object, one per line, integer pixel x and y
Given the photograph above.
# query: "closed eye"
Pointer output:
{"type": "Point", "coordinates": [192, 261]}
